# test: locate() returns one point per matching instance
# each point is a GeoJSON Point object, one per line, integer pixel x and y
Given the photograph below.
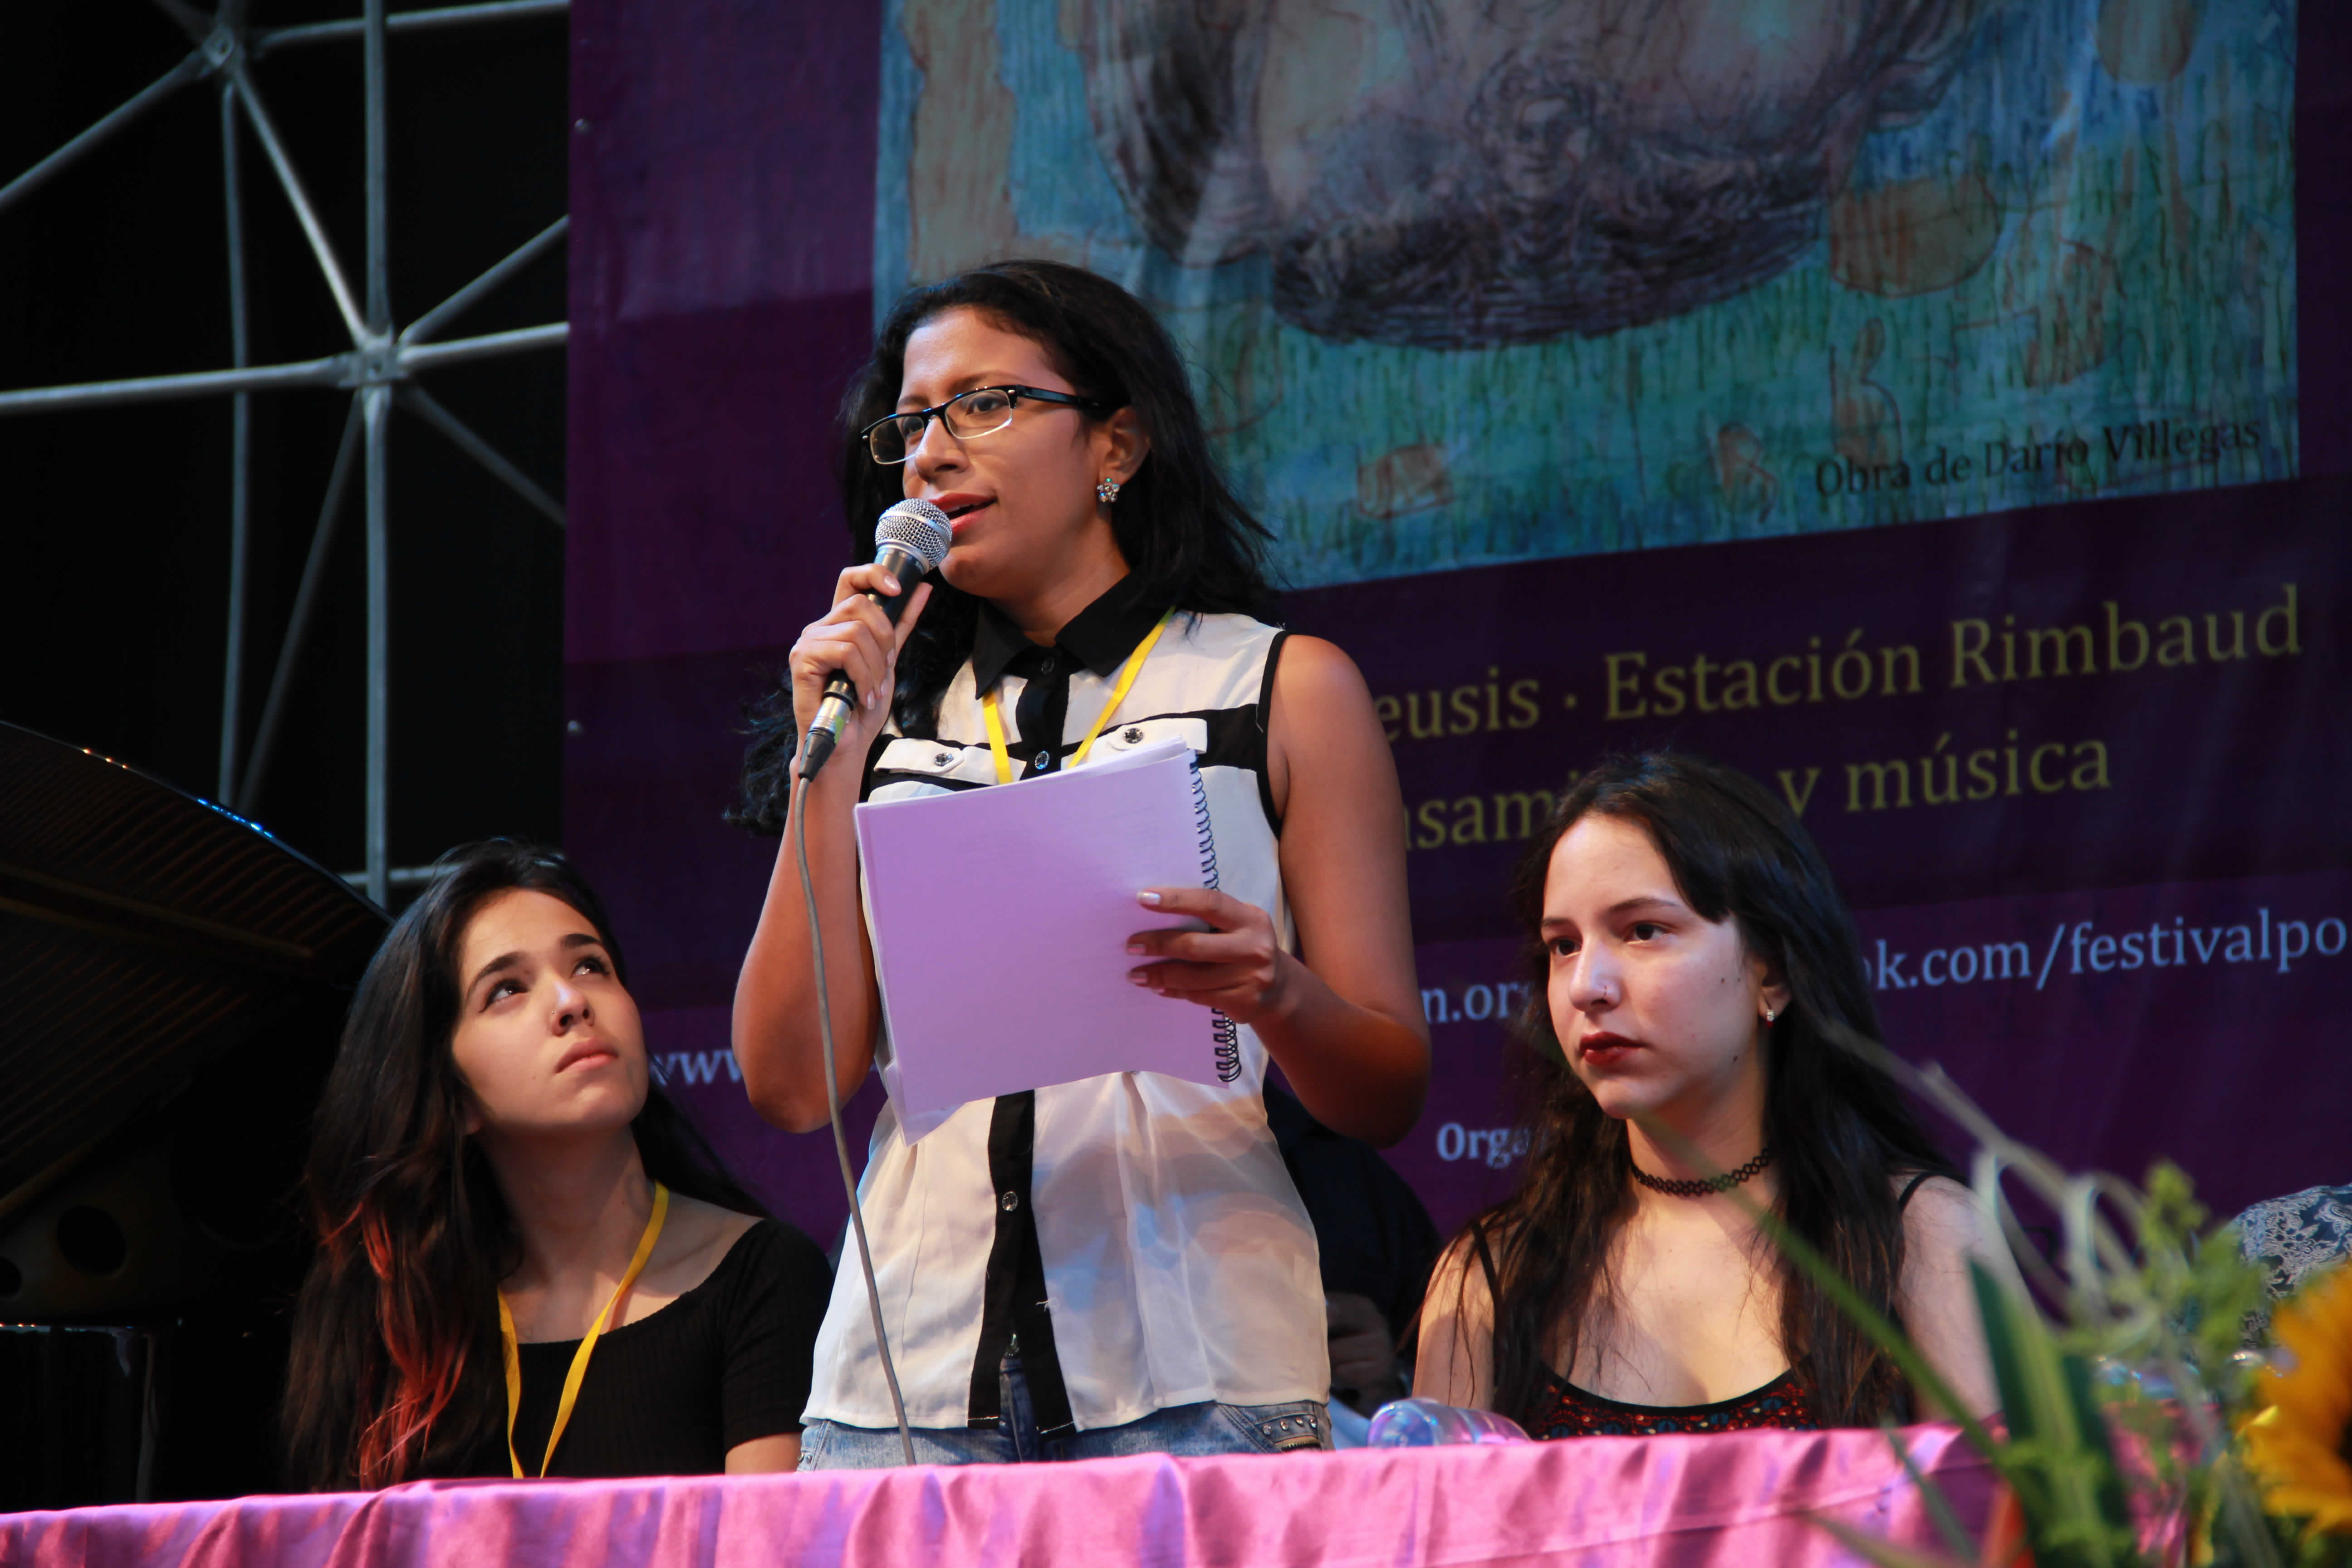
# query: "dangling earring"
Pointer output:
{"type": "Point", "coordinates": [1107, 490]}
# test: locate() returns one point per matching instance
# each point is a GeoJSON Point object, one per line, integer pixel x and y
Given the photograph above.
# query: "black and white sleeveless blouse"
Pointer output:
{"type": "Point", "coordinates": [1178, 1263]}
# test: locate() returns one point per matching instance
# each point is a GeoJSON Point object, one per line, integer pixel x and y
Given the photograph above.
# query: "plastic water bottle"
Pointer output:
{"type": "Point", "coordinates": [1426, 1424]}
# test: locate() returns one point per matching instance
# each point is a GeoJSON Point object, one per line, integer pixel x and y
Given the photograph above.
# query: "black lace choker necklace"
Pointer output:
{"type": "Point", "coordinates": [1699, 1189]}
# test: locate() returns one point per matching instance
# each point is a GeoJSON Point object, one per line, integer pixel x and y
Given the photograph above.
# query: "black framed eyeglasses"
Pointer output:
{"type": "Point", "coordinates": [983, 411]}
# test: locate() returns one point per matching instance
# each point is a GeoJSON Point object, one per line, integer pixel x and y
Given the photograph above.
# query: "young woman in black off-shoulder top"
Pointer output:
{"type": "Point", "coordinates": [502, 1195]}
{"type": "Point", "coordinates": [1692, 972]}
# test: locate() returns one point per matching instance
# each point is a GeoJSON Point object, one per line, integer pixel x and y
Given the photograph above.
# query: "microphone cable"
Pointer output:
{"type": "Point", "coordinates": [832, 1105]}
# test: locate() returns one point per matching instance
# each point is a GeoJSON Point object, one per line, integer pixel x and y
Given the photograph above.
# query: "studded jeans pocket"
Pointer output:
{"type": "Point", "coordinates": [1282, 1428]}
{"type": "Point", "coordinates": [815, 1438]}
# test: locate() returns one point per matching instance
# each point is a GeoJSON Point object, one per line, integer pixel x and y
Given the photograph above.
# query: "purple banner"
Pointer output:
{"type": "Point", "coordinates": [2087, 696]}
{"type": "Point", "coordinates": [721, 266]}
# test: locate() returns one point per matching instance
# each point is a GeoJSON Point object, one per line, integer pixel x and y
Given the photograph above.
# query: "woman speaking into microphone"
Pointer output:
{"type": "Point", "coordinates": [1118, 1265]}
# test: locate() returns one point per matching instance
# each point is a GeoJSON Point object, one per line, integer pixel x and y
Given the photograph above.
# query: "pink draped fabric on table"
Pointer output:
{"type": "Point", "coordinates": [1737, 1497]}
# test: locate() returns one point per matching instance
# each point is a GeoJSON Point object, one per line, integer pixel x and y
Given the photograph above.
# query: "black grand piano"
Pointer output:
{"type": "Point", "coordinates": [172, 982]}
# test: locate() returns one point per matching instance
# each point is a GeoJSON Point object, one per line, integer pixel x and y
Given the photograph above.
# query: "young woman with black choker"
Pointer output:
{"type": "Point", "coordinates": [1694, 979]}
{"type": "Point", "coordinates": [505, 1203]}
{"type": "Point", "coordinates": [1119, 1265]}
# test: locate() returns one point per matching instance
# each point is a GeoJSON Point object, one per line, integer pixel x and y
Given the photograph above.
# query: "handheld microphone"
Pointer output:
{"type": "Point", "coordinates": [909, 540]}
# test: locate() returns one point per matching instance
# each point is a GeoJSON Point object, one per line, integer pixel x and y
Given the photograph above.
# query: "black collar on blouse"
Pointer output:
{"type": "Point", "coordinates": [1099, 636]}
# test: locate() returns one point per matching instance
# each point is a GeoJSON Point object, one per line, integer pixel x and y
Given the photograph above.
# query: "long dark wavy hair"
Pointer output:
{"type": "Point", "coordinates": [1188, 541]}
{"type": "Point", "coordinates": [396, 1371]}
{"type": "Point", "coordinates": [1840, 1129]}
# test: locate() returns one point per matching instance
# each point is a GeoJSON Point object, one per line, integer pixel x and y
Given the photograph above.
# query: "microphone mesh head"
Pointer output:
{"type": "Point", "coordinates": [918, 528]}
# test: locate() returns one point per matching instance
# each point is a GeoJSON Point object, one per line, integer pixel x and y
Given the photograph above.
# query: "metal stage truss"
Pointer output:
{"type": "Point", "coordinates": [379, 367]}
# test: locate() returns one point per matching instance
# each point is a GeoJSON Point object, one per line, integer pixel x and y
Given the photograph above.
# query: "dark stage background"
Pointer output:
{"type": "Point", "coordinates": [114, 522]}
{"type": "Point", "coordinates": [2075, 751]}
{"type": "Point", "coordinates": [158, 1373]}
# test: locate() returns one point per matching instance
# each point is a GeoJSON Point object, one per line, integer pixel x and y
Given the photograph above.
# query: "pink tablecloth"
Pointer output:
{"type": "Point", "coordinates": [1743, 1498]}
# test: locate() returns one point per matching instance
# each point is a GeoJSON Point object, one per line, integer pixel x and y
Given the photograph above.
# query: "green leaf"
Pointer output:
{"type": "Point", "coordinates": [1939, 1507]}
{"type": "Point", "coordinates": [1885, 1553]}
{"type": "Point", "coordinates": [2060, 1460]}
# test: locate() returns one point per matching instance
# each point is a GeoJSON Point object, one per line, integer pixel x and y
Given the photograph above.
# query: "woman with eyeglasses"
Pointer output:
{"type": "Point", "coordinates": [1119, 1265]}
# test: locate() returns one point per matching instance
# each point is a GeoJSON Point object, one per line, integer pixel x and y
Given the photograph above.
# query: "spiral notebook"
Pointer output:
{"type": "Point", "coordinates": [1000, 918]}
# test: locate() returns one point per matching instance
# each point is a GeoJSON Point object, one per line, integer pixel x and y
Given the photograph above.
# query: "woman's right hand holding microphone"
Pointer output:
{"type": "Point", "coordinates": [856, 638]}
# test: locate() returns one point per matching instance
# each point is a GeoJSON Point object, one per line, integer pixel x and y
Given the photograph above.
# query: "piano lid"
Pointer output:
{"type": "Point", "coordinates": [142, 932]}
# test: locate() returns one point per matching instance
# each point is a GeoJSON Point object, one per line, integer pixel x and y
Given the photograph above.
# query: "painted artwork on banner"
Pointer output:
{"type": "Point", "coordinates": [1474, 283]}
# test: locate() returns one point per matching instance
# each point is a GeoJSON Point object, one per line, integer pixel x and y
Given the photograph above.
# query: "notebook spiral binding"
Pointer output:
{"type": "Point", "coordinates": [1226, 1032]}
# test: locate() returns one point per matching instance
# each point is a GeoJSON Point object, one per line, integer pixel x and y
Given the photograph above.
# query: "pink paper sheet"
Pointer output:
{"type": "Point", "coordinates": [1740, 1498]}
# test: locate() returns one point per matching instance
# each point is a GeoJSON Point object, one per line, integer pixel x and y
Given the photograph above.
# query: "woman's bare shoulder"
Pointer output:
{"type": "Point", "coordinates": [1941, 1215]}
{"type": "Point", "coordinates": [1314, 668]}
{"type": "Point", "coordinates": [705, 1234]}
{"type": "Point", "coordinates": [1466, 1263]}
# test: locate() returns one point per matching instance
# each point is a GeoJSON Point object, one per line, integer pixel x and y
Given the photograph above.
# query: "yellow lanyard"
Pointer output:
{"type": "Point", "coordinates": [587, 1346]}
{"type": "Point", "coordinates": [988, 708]}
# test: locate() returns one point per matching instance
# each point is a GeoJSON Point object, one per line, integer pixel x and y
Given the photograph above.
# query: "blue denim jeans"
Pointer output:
{"type": "Point", "coordinates": [1181, 1430]}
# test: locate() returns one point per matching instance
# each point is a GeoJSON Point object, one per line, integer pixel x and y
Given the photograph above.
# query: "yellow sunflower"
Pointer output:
{"type": "Point", "coordinates": [2297, 1444]}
